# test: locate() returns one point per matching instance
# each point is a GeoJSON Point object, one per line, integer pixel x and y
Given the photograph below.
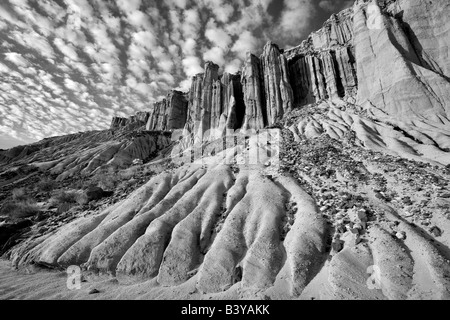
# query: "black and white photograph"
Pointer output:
{"type": "Point", "coordinates": [224, 155]}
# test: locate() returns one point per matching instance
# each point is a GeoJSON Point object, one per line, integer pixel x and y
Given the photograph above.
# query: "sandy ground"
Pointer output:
{"type": "Point", "coordinates": [33, 283]}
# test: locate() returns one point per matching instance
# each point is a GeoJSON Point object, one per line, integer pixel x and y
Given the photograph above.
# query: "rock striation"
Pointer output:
{"type": "Point", "coordinates": [168, 114]}
{"type": "Point", "coordinates": [323, 66]}
{"type": "Point", "coordinates": [118, 122]}
{"type": "Point", "coordinates": [397, 75]}
{"type": "Point", "coordinates": [216, 104]}
{"type": "Point", "coordinates": [278, 91]}
{"type": "Point", "coordinates": [252, 85]}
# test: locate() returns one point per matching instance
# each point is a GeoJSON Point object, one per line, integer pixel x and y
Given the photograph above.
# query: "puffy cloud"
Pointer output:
{"type": "Point", "coordinates": [53, 10]}
{"type": "Point", "coordinates": [192, 24]}
{"type": "Point", "coordinates": [4, 69]}
{"type": "Point", "coordinates": [296, 17]}
{"type": "Point", "coordinates": [17, 59]}
{"type": "Point", "coordinates": [234, 66]}
{"type": "Point", "coordinates": [222, 10]}
{"type": "Point", "coordinates": [80, 9]}
{"type": "Point", "coordinates": [34, 41]}
{"type": "Point", "coordinates": [188, 47]}
{"type": "Point", "coordinates": [184, 85]}
{"type": "Point", "coordinates": [67, 49]}
{"type": "Point", "coordinates": [8, 16]}
{"type": "Point", "coordinates": [217, 36]}
{"type": "Point", "coordinates": [43, 24]}
{"type": "Point", "coordinates": [139, 20]}
{"type": "Point", "coordinates": [216, 55]}
{"type": "Point", "coordinates": [74, 86]}
{"type": "Point", "coordinates": [245, 43]}
{"type": "Point", "coordinates": [144, 39]}
{"type": "Point", "coordinates": [191, 65]}
{"type": "Point", "coordinates": [129, 6]}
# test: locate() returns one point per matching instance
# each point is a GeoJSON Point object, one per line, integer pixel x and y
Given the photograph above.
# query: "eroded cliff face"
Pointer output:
{"type": "Point", "coordinates": [402, 67]}
{"type": "Point", "coordinates": [393, 77]}
{"type": "Point", "coordinates": [278, 91]}
{"type": "Point", "coordinates": [216, 104]}
{"type": "Point", "coordinates": [387, 57]}
{"type": "Point", "coordinates": [252, 85]}
{"type": "Point", "coordinates": [168, 114]}
{"type": "Point", "coordinates": [323, 66]}
{"type": "Point", "coordinates": [227, 104]}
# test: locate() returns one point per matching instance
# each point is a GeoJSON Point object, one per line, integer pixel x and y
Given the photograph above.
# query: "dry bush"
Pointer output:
{"type": "Point", "coordinates": [62, 196]}
{"type": "Point", "coordinates": [46, 185]}
{"type": "Point", "coordinates": [107, 182]}
{"type": "Point", "coordinates": [65, 200]}
{"type": "Point", "coordinates": [125, 184]}
{"type": "Point", "coordinates": [107, 179]}
{"type": "Point", "coordinates": [19, 194]}
{"type": "Point", "coordinates": [128, 173]}
{"type": "Point", "coordinates": [82, 199]}
{"type": "Point", "coordinates": [19, 209]}
{"type": "Point", "coordinates": [147, 171]}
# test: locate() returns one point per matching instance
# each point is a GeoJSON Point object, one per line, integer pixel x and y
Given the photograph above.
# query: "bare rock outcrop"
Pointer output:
{"type": "Point", "coordinates": [253, 87]}
{"type": "Point", "coordinates": [227, 105]}
{"type": "Point", "coordinates": [158, 117]}
{"type": "Point", "coordinates": [118, 122]}
{"type": "Point", "coordinates": [168, 114]}
{"type": "Point", "coordinates": [216, 104]}
{"type": "Point", "coordinates": [336, 32]}
{"type": "Point", "coordinates": [323, 66]}
{"type": "Point", "coordinates": [194, 100]}
{"type": "Point", "coordinates": [210, 77]}
{"type": "Point", "coordinates": [278, 91]}
{"type": "Point", "coordinates": [131, 123]}
{"type": "Point", "coordinates": [394, 81]}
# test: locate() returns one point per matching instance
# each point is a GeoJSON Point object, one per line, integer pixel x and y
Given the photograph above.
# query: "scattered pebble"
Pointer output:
{"type": "Point", "coordinates": [337, 245]}
{"type": "Point", "coordinates": [436, 231]}
{"type": "Point", "coordinates": [401, 235]}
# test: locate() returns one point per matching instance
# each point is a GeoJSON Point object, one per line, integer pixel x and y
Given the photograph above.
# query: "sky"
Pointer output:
{"type": "Point", "coordinates": [69, 66]}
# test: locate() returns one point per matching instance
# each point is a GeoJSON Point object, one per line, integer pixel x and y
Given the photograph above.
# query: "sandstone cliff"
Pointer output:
{"type": "Point", "coordinates": [388, 57]}
{"type": "Point", "coordinates": [323, 66]}
{"type": "Point", "coordinates": [254, 98]}
{"type": "Point", "coordinates": [168, 114]}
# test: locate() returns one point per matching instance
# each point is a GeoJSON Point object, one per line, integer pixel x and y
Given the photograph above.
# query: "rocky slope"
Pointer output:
{"type": "Point", "coordinates": [348, 196]}
{"type": "Point", "coordinates": [84, 154]}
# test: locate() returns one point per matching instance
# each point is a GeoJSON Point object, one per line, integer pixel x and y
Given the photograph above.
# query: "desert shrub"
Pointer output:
{"type": "Point", "coordinates": [147, 171]}
{"type": "Point", "coordinates": [107, 179]}
{"type": "Point", "coordinates": [82, 199]}
{"type": "Point", "coordinates": [46, 185]}
{"type": "Point", "coordinates": [128, 173]}
{"type": "Point", "coordinates": [64, 200]}
{"type": "Point", "coordinates": [78, 184]}
{"type": "Point", "coordinates": [62, 196]}
{"type": "Point", "coordinates": [106, 182]}
{"type": "Point", "coordinates": [125, 184]}
{"type": "Point", "coordinates": [19, 194]}
{"type": "Point", "coordinates": [19, 209]}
